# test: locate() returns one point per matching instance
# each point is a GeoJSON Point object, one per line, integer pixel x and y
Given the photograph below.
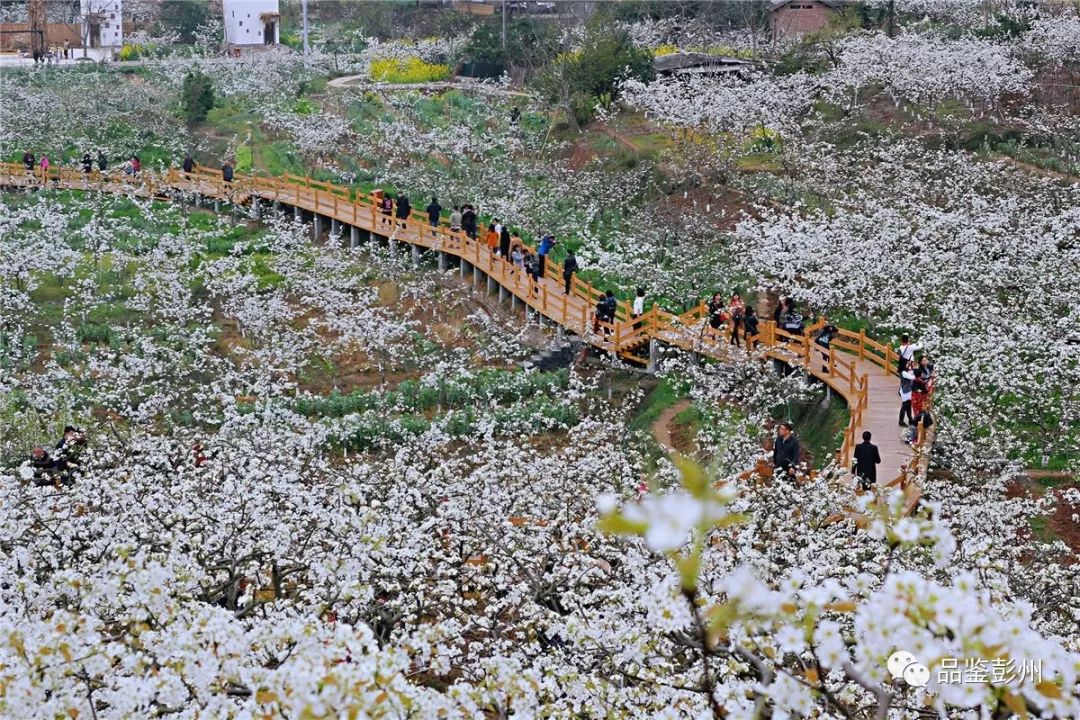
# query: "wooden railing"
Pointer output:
{"type": "Point", "coordinates": [835, 366]}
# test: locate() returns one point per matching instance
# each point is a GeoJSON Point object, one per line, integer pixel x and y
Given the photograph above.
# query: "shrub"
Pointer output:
{"type": "Point", "coordinates": [305, 107]}
{"type": "Point", "coordinates": [763, 139]}
{"type": "Point", "coordinates": [131, 52]}
{"type": "Point", "coordinates": [409, 70]}
{"type": "Point", "coordinates": [665, 50]}
{"type": "Point", "coordinates": [197, 96]}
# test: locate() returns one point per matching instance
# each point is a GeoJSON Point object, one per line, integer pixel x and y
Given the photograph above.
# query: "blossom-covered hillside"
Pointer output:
{"type": "Point", "coordinates": [250, 468]}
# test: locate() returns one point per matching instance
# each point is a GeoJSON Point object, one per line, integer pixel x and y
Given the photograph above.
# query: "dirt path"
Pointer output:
{"type": "Point", "coordinates": [661, 428]}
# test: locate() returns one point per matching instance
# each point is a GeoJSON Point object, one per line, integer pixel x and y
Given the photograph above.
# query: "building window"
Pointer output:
{"type": "Point", "coordinates": [241, 23]}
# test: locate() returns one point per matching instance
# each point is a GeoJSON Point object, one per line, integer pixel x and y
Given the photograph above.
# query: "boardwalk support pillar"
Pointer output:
{"type": "Point", "coordinates": [354, 236]}
{"type": "Point", "coordinates": [297, 213]}
{"type": "Point", "coordinates": [335, 226]}
{"type": "Point", "coordinates": [444, 261]}
{"type": "Point", "coordinates": [502, 294]}
{"type": "Point", "coordinates": [654, 357]}
{"type": "Point", "coordinates": [463, 268]}
{"type": "Point", "coordinates": [491, 284]}
{"type": "Point", "coordinates": [316, 227]}
{"type": "Point", "coordinates": [415, 255]}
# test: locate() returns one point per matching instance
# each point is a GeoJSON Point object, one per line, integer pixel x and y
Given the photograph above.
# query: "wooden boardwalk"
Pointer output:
{"type": "Point", "coordinates": [859, 369]}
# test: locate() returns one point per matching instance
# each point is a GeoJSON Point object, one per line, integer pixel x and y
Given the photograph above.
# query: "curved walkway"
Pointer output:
{"type": "Point", "coordinates": [856, 367]}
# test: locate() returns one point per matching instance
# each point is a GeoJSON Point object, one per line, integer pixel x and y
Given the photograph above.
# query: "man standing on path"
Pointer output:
{"type": "Point", "coordinates": [786, 449]}
{"type": "Point", "coordinates": [546, 243]}
{"type": "Point", "coordinates": [434, 210]}
{"type": "Point", "coordinates": [867, 458]}
{"type": "Point", "coordinates": [189, 164]}
{"type": "Point", "coordinates": [570, 266]}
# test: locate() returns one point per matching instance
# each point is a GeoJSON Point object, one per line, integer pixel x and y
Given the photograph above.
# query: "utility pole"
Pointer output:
{"type": "Point", "coordinates": [303, 12]}
{"type": "Point", "coordinates": [504, 27]}
{"type": "Point", "coordinates": [892, 18]}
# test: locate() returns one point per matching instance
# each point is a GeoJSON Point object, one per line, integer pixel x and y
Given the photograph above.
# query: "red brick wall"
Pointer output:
{"type": "Point", "coordinates": [800, 17]}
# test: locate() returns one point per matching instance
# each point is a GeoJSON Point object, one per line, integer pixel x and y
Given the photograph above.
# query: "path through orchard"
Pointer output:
{"type": "Point", "coordinates": [859, 369]}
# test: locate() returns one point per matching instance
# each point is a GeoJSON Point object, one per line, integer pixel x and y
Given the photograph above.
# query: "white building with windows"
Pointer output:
{"type": "Point", "coordinates": [102, 23]}
{"type": "Point", "coordinates": [251, 22]}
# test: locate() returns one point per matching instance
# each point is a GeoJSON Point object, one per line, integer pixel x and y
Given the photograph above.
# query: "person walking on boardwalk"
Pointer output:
{"type": "Point", "coordinates": [87, 163]}
{"type": "Point", "coordinates": [570, 266]}
{"type": "Point", "coordinates": [189, 164]}
{"type": "Point", "coordinates": [227, 171]}
{"type": "Point", "coordinates": [750, 326]}
{"type": "Point", "coordinates": [434, 210]}
{"type": "Point", "coordinates": [386, 207]}
{"type": "Point", "coordinates": [102, 161]}
{"type": "Point", "coordinates": [29, 162]}
{"type": "Point", "coordinates": [455, 220]}
{"type": "Point", "coordinates": [638, 307]}
{"type": "Point", "coordinates": [736, 307]}
{"type": "Point", "coordinates": [786, 449]}
{"type": "Point", "coordinates": [491, 239]}
{"type": "Point", "coordinates": [716, 313]}
{"type": "Point", "coordinates": [504, 242]}
{"type": "Point", "coordinates": [136, 165]}
{"type": "Point", "coordinates": [546, 243]}
{"type": "Point", "coordinates": [517, 257]}
{"type": "Point", "coordinates": [867, 458]}
{"type": "Point", "coordinates": [907, 382]}
{"type": "Point", "coordinates": [468, 221]}
{"type": "Point", "coordinates": [404, 209]}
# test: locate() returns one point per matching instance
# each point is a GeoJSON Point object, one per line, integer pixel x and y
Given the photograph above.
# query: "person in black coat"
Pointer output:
{"type": "Point", "coordinates": [786, 449]}
{"type": "Point", "coordinates": [227, 172]}
{"type": "Point", "coordinates": [468, 221]}
{"type": "Point", "coordinates": [87, 162]}
{"type": "Point", "coordinates": [434, 209]}
{"type": "Point", "coordinates": [570, 266]}
{"type": "Point", "coordinates": [504, 243]}
{"type": "Point", "coordinates": [750, 326]}
{"type": "Point", "coordinates": [867, 458]}
{"type": "Point", "coordinates": [189, 163]}
{"type": "Point", "coordinates": [404, 209]}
